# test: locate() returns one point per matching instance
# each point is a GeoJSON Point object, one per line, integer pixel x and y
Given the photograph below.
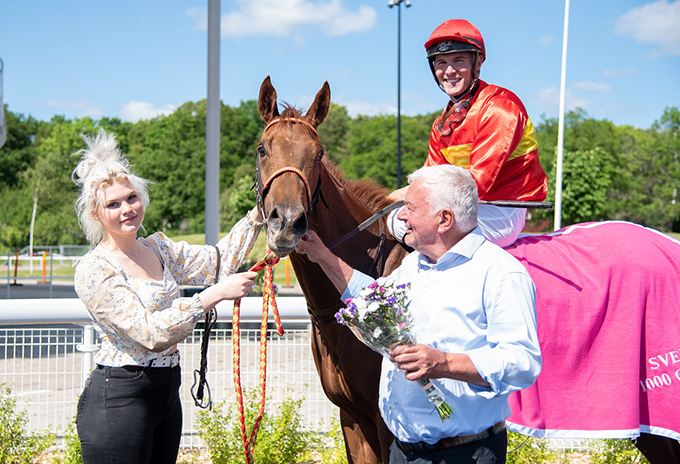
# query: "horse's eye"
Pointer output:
{"type": "Point", "coordinates": [260, 150]}
{"type": "Point", "coordinates": [319, 157]}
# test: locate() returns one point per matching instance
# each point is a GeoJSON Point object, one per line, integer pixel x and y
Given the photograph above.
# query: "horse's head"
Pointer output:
{"type": "Point", "coordinates": [289, 157]}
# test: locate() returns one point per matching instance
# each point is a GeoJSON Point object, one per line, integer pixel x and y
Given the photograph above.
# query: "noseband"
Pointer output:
{"type": "Point", "coordinates": [261, 188]}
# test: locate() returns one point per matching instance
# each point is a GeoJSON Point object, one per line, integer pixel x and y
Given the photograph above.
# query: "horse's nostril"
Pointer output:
{"type": "Point", "coordinates": [300, 226]}
{"type": "Point", "coordinates": [273, 220]}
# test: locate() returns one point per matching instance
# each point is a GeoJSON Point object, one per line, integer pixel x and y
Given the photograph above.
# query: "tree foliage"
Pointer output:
{"type": "Point", "coordinates": [609, 172]}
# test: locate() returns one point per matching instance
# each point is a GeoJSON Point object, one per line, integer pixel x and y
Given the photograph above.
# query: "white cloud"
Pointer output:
{"type": "Point", "coordinates": [283, 18]}
{"type": "Point", "coordinates": [656, 23]}
{"type": "Point", "coordinates": [592, 87]}
{"type": "Point", "coordinates": [362, 107]}
{"type": "Point", "coordinates": [548, 101]}
{"type": "Point", "coordinates": [546, 40]}
{"type": "Point", "coordinates": [618, 72]}
{"type": "Point", "coordinates": [200, 16]}
{"type": "Point", "coordinates": [136, 110]}
{"type": "Point", "coordinates": [80, 108]}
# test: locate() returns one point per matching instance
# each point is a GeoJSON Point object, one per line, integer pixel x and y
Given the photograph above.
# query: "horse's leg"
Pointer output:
{"type": "Point", "coordinates": [658, 449]}
{"type": "Point", "coordinates": [357, 444]}
{"type": "Point", "coordinates": [367, 438]}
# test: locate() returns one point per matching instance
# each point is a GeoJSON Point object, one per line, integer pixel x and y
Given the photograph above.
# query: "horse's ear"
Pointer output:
{"type": "Point", "coordinates": [322, 103]}
{"type": "Point", "coordinates": [266, 104]}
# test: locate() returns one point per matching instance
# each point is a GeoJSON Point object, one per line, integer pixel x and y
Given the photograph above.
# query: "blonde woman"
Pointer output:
{"type": "Point", "coordinates": [129, 410]}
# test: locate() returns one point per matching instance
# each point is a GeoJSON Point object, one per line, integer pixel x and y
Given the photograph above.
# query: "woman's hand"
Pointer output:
{"type": "Point", "coordinates": [230, 288]}
{"type": "Point", "coordinates": [254, 216]}
{"type": "Point", "coordinates": [237, 285]}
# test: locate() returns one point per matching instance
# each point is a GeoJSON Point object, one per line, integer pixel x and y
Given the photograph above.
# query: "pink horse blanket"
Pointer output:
{"type": "Point", "coordinates": [608, 303]}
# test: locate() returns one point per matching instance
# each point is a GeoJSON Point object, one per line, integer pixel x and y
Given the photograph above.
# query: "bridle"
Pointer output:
{"type": "Point", "coordinates": [262, 188]}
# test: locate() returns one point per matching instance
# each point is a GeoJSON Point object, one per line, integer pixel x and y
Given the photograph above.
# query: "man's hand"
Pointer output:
{"type": "Point", "coordinates": [336, 269]}
{"type": "Point", "coordinates": [312, 246]}
{"type": "Point", "coordinates": [422, 361]}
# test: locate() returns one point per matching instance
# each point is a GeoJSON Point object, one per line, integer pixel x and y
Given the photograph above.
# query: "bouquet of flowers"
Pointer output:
{"type": "Point", "coordinates": [379, 317]}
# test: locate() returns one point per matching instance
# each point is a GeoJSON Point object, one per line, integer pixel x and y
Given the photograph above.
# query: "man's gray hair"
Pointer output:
{"type": "Point", "coordinates": [450, 187]}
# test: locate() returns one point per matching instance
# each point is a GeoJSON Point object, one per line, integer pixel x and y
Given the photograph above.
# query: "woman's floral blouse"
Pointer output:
{"type": "Point", "coordinates": [138, 320]}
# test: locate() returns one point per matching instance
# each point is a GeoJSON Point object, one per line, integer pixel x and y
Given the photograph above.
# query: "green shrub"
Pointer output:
{"type": "Point", "coordinates": [282, 437]}
{"type": "Point", "coordinates": [529, 450]}
{"type": "Point", "coordinates": [16, 445]}
{"type": "Point", "coordinates": [332, 445]}
{"type": "Point", "coordinates": [616, 452]}
{"type": "Point", "coordinates": [72, 451]}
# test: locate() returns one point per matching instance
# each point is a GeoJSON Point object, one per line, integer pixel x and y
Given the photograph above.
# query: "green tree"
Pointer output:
{"type": "Point", "coordinates": [373, 144]}
{"type": "Point", "coordinates": [238, 199]}
{"type": "Point", "coordinates": [17, 154]}
{"type": "Point", "coordinates": [334, 134]}
{"type": "Point", "coordinates": [241, 130]}
{"type": "Point", "coordinates": [170, 152]}
{"type": "Point", "coordinates": [586, 181]}
{"type": "Point", "coordinates": [49, 182]}
{"type": "Point", "coordinates": [647, 176]}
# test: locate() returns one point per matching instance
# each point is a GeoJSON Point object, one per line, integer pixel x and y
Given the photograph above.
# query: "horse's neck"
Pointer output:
{"type": "Point", "coordinates": [344, 213]}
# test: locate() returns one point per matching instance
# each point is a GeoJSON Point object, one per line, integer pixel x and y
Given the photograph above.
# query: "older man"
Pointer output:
{"type": "Point", "coordinates": [474, 315]}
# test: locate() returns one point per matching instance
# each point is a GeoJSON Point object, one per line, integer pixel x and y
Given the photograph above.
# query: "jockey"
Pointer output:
{"type": "Point", "coordinates": [484, 129]}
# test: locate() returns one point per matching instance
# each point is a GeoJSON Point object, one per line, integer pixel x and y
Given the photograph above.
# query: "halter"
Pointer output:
{"type": "Point", "coordinates": [261, 188]}
{"type": "Point", "coordinates": [293, 120]}
{"type": "Point", "coordinates": [302, 177]}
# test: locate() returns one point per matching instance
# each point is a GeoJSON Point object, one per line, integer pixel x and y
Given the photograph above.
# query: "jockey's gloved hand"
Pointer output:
{"type": "Point", "coordinates": [396, 226]}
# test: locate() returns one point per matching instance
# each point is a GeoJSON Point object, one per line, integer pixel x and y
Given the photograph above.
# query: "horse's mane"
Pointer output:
{"type": "Point", "coordinates": [366, 191]}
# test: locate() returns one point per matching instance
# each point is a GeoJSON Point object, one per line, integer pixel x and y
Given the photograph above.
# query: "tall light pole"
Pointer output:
{"type": "Point", "coordinates": [3, 125]}
{"type": "Point", "coordinates": [398, 3]}
{"type": "Point", "coordinates": [560, 127]}
{"type": "Point", "coordinates": [212, 127]}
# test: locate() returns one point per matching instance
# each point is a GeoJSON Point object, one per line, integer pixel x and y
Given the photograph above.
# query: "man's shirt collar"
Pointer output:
{"type": "Point", "coordinates": [457, 254]}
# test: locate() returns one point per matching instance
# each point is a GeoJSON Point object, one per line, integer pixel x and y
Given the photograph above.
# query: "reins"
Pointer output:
{"type": "Point", "coordinates": [200, 374]}
{"type": "Point", "coordinates": [380, 214]}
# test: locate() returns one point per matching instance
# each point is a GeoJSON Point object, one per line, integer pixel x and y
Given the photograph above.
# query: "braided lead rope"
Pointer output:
{"type": "Point", "coordinates": [268, 300]}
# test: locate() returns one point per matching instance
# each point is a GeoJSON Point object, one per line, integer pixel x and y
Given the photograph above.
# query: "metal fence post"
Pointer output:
{"type": "Point", "coordinates": [9, 272]}
{"type": "Point", "coordinates": [87, 348]}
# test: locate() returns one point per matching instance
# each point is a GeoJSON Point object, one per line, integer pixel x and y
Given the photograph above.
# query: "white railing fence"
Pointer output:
{"type": "Point", "coordinates": [46, 348]}
{"type": "Point", "coordinates": [46, 354]}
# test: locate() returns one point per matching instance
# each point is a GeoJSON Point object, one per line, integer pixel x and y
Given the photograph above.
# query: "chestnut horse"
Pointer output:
{"type": "Point", "coordinates": [593, 358]}
{"type": "Point", "coordinates": [298, 189]}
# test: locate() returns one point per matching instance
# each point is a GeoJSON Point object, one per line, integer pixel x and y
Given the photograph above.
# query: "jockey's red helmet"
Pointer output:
{"type": "Point", "coordinates": [455, 35]}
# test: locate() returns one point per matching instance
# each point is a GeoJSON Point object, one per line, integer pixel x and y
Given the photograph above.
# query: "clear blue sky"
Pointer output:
{"type": "Point", "coordinates": [136, 59]}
